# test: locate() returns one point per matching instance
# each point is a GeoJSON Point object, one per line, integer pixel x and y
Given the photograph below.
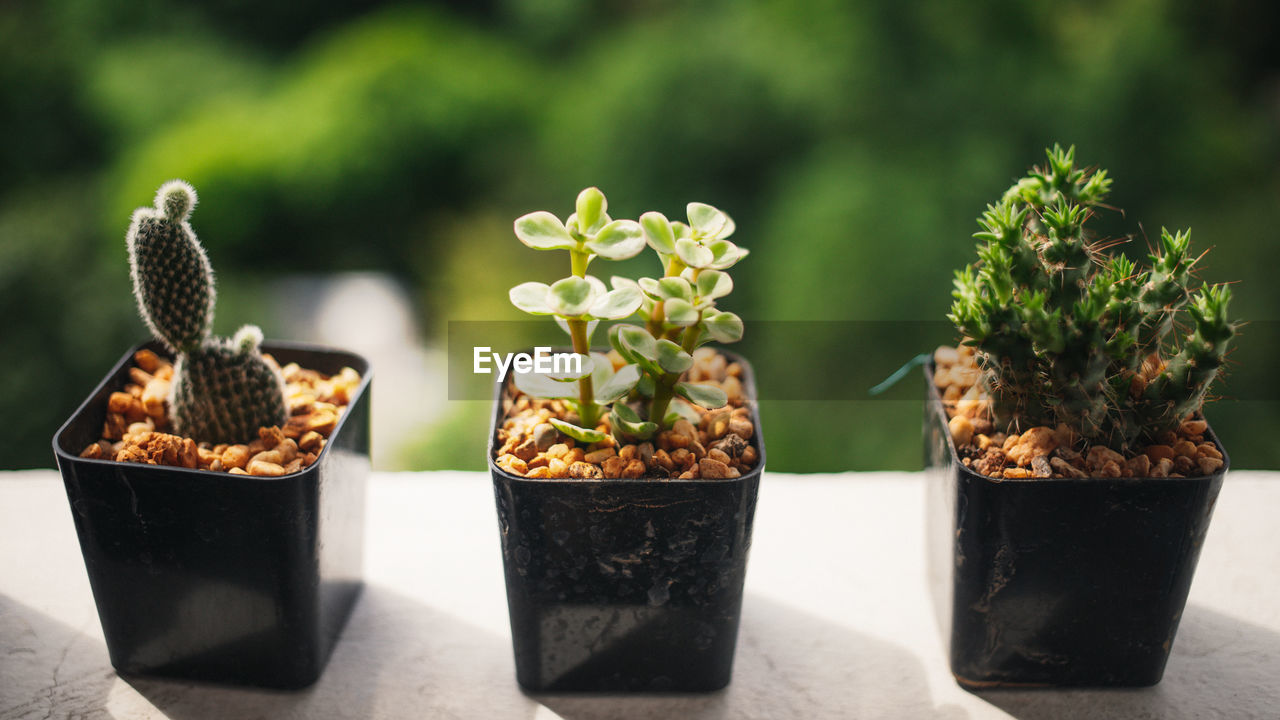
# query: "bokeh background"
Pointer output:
{"type": "Point", "coordinates": [359, 165]}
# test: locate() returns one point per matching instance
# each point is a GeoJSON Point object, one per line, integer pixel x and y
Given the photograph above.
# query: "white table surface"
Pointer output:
{"type": "Point", "coordinates": [837, 619]}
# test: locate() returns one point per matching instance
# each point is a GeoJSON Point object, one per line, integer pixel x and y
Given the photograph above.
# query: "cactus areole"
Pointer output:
{"type": "Point", "coordinates": [1066, 332]}
{"type": "Point", "coordinates": [223, 390]}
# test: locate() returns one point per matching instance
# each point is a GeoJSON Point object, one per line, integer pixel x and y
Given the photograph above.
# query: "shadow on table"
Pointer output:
{"type": "Point", "coordinates": [788, 664]}
{"type": "Point", "coordinates": [1221, 666]}
{"type": "Point", "coordinates": [397, 658]}
{"type": "Point", "coordinates": [66, 670]}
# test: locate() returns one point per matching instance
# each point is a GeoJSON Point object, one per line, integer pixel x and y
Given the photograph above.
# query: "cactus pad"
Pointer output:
{"type": "Point", "coordinates": [172, 278]}
{"type": "Point", "coordinates": [226, 390]}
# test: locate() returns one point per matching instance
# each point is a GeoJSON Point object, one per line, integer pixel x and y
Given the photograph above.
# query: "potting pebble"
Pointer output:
{"type": "Point", "coordinates": [1042, 452]}
{"type": "Point", "coordinates": [137, 424]}
{"type": "Point", "coordinates": [718, 447]}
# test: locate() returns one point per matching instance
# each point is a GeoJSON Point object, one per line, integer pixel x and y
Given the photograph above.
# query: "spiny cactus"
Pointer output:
{"type": "Point", "coordinates": [1068, 333]}
{"type": "Point", "coordinates": [222, 390]}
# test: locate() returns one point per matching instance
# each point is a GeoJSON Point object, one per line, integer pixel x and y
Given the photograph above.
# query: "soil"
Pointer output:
{"type": "Point", "coordinates": [1043, 452]}
{"type": "Point", "coordinates": [137, 427]}
{"type": "Point", "coordinates": [719, 446]}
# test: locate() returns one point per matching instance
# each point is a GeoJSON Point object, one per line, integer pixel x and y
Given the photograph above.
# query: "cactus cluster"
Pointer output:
{"type": "Point", "coordinates": [1068, 332]}
{"type": "Point", "coordinates": [222, 390]}
{"type": "Point", "coordinates": [646, 394]}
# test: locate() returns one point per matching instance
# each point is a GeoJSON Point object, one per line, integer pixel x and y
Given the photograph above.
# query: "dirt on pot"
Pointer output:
{"type": "Point", "coordinates": [717, 447]}
{"type": "Point", "coordinates": [137, 424]}
{"type": "Point", "coordinates": [1044, 452]}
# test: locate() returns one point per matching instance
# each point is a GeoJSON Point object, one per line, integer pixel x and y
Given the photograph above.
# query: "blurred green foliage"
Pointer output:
{"type": "Point", "coordinates": [853, 142]}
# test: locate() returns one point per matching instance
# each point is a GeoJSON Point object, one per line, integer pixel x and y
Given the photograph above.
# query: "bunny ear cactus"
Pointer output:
{"type": "Point", "coordinates": [1066, 333]}
{"type": "Point", "coordinates": [222, 390]}
{"type": "Point", "coordinates": [679, 311]}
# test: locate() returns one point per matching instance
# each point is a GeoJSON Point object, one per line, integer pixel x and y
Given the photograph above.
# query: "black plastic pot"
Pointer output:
{"type": "Point", "coordinates": [1060, 582]}
{"type": "Point", "coordinates": [625, 585]}
{"type": "Point", "coordinates": [218, 577]}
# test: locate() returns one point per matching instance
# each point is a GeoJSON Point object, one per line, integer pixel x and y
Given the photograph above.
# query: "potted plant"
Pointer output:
{"type": "Point", "coordinates": [626, 489]}
{"type": "Point", "coordinates": [218, 498]}
{"type": "Point", "coordinates": [1078, 476]}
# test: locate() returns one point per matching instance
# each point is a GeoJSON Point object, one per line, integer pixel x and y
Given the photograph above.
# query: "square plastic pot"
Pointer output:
{"type": "Point", "coordinates": [217, 577]}
{"type": "Point", "coordinates": [1060, 581]}
{"type": "Point", "coordinates": [625, 585]}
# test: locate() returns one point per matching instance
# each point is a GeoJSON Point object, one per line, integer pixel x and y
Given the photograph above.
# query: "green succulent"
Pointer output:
{"type": "Point", "coordinates": [678, 309]}
{"type": "Point", "coordinates": [579, 301]}
{"type": "Point", "coordinates": [1067, 333]}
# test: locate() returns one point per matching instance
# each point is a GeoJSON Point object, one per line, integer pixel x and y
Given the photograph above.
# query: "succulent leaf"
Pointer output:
{"type": "Point", "coordinates": [672, 358]}
{"type": "Point", "coordinates": [725, 254]}
{"type": "Point", "coordinates": [617, 304]}
{"type": "Point", "coordinates": [531, 297]}
{"type": "Point", "coordinates": [619, 240]}
{"type": "Point", "coordinates": [708, 221]}
{"type": "Point", "coordinates": [658, 232]}
{"type": "Point", "coordinates": [591, 210]}
{"type": "Point", "coordinates": [540, 385]}
{"type": "Point", "coordinates": [702, 395]}
{"type": "Point", "coordinates": [713, 284]}
{"type": "Point", "coordinates": [620, 383]}
{"type": "Point", "coordinates": [628, 423]}
{"type": "Point", "coordinates": [693, 253]}
{"type": "Point", "coordinates": [681, 313]}
{"type": "Point", "coordinates": [724, 327]}
{"type": "Point", "coordinates": [543, 231]}
{"type": "Point", "coordinates": [570, 297]}
{"type": "Point", "coordinates": [580, 434]}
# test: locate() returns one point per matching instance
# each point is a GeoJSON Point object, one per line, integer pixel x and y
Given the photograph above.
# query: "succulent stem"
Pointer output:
{"type": "Point", "coordinates": [586, 392]}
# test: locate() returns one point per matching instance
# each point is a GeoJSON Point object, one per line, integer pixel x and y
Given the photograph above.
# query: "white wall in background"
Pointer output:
{"type": "Point", "coordinates": [371, 314]}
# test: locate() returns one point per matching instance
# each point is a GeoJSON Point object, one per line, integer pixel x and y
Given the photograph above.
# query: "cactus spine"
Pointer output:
{"type": "Point", "coordinates": [1067, 333]}
{"type": "Point", "coordinates": [222, 390]}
